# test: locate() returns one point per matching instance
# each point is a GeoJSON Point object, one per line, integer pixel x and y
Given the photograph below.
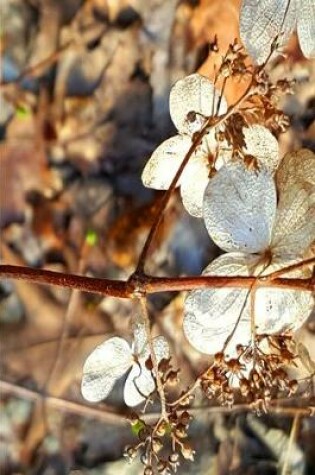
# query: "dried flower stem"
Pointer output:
{"type": "Point", "coordinates": [148, 284]}
{"type": "Point", "coordinates": [160, 388]}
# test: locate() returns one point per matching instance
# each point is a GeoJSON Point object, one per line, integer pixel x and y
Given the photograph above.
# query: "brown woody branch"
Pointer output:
{"type": "Point", "coordinates": [146, 284]}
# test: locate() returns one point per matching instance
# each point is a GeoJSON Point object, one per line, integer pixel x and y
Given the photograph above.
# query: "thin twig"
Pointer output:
{"type": "Point", "coordinates": [293, 436]}
{"type": "Point", "coordinates": [147, 284]}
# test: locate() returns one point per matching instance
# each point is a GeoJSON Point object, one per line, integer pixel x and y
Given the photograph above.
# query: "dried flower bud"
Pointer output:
{"type": "Point", "coordinates": [161, 428]}
{"type": "Point", "coordinates": [156, 445]}
{"type": "Point", "coordinates": [148, 470]}
{"type": "Point", "coordinates": [187, 452]}
{"type": "Point", "coordinates": [149, 364]}
{"type": "Point", "coordinates": [162, 466]}
{"type": "Point", "coordinates": [185, 418]}
{"type": "Point", "coordinates": [172, 378]}
{"type": "Point", "coordinates": [173, 458]}
{"type": "Point", "coordinates": [293, 386]}
{"type": "Point", "coordinates": [130, 452]}
{"type": "Point", "coordinates": [180, 431]}
{"type": "Point", "coordinates": [219, 358]}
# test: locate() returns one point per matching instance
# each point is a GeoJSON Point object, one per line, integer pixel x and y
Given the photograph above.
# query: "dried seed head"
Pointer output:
{"type": "Point", "coordinates": [148, 470]}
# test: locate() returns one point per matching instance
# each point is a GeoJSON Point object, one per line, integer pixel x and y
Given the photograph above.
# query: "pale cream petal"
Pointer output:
{"type": "Point", "coordinates": [239, 208]}
{"type": "Point", "coordinates": [278, 310]}
{"type": "Point", "coordinates": [294, 229]}
{"type": "Point", "coordinates": [193, 185]}
{"type": "Point", "coordinates": [194, 94]}
{"type": "Point", "coordinates": [263, 145]}
{"type": "Point", "coordinates": [262, 21]}
{"type": "Point", "coordinates": [306, 27]}
{"type": "Point", "coordinates": [211, 314]}
{"type": "Point", "coordinates": [140, 383]}
{"type": "Point", "coordinates": [164, 162]}
{"type": "Point", "coordinates": [297, 168]}
{"type": "Point", "coordinates": [107, 363]}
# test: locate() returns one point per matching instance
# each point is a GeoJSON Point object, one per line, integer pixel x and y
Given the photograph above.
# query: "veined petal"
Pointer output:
{"type": "Point", "coordinates": [194, 94]}
{"type": "Point", "coordinates": [294, 229]}
{"type": "Point", "coordinates": [107, 363]}
{"type": "Point", "coordinates": [263, 145]}
{"type": "Point", "coordinates": [211, 314]}
{"type": "Point", "coordinates": [164, 162]}
{"type": "Point", "coordinates": [140, 383]}
{"type": "Point", "coordinates": [194, 183]}
{"type": "Point", "coordinates": [306, 27]}
{"type": "Point", "coordinates": [297, 167]}
{"type": "Point", "coordinates": [277, 310]}
{"type": "Point", "coordinates": [260, 143]}
{"type": "Point", "coordinates": [262, 21]}
{"type": "Point", "coordinates": [239, 208]}
{"type": "Point", "coordinates": [209, 341]}
{"type": "Point", "coordinates": [139, 338]}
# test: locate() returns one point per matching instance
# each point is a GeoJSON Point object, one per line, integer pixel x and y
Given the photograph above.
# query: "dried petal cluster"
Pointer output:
{"type": "Point", "coordinates": [263, 226]}
{"type": "Point", "coordinates": [193, 100]}
{"type": "Point", "coordinates": [267, 25]}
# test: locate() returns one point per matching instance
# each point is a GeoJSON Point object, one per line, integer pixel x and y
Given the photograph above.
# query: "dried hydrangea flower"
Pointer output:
{"type": "Point", "coordinates": [192, 100]}
{"type": "Point", "coordinates": [260, 236]}
{"type": "Point", "coordinates": [262, 21]}
{"type": "Point", "coordinates": [113, 358]}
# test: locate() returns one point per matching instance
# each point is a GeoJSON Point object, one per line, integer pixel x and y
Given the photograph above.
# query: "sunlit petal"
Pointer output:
{"type": "Point", "coordinates": [261, 144]}
{"type": "Point", "coordinates": [140, 383]}
{"type": "Point", "coordinates": [213, 313]}
{"type": "Point", "coordinates": [194, 94]}
{"type": "Point", "coordinates": [262, 21]}
{"type": "Point", "coordinates": [294, 229]}
{"type": "Point", "coordinates": [193, 185]}
{"type": "Point", "coordinates": [277, 310]}
{"type": "Point", "coordinates": [239, 208]}
{"type": "Point", "coordinates": [164, 162]}
{"type": "Point", "coordinates": [107, 363]}
{"type": "Point", "coordinates": [306, 27]}
{"type": "Point", "coordinates": [297, 168]}
{"type": "Point", "coordinates": [209, 340]}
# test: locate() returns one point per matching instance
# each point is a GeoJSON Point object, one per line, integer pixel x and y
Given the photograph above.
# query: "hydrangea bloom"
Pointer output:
{"type": "Point", "coordinates": [192, 99]}
{"type": "Point", "coordinates": [113, 358]}
{"type": "Point", "coordinates": [260, 236]}
{"type": "Point", "coordinates": [262, 20]}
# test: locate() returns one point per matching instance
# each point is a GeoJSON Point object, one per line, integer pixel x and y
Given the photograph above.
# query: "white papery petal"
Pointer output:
{"type": "Point", "coordinates": [277, 310]}
{"type": "Point", "coordinates": [306, 27]}
{"type": "Point", "coordinates": [107, 363]}
{"type": "Point", "coordinates": [260, 143]}
{"type": "Point", "coordinates": [294, 229]}
{"type": "Point", "coordinates": [194, 93]}
{"type": "Point", "coordinates": [208, 341]}
{"type": "Point", "coordinates": [139, 338]}
{"type": "Point", "coordinates": [260, 23]}
{"type": "Point", "coordinates": [239, 208]}
{"type": "Point", "coordinates": [263, 145]}
{"type": "Point", "coordinates": [164, 162]}
{"type": "Point", "coordinates": [211, 314]}
{"type": "Point", "coordinates": [140, 382]}
{"type": "Point", "coordinates": [194, 183]}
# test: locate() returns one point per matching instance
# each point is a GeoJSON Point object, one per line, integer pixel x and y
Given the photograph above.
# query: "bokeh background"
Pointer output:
{"type": "Point", "coordinates": [83, 103]}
